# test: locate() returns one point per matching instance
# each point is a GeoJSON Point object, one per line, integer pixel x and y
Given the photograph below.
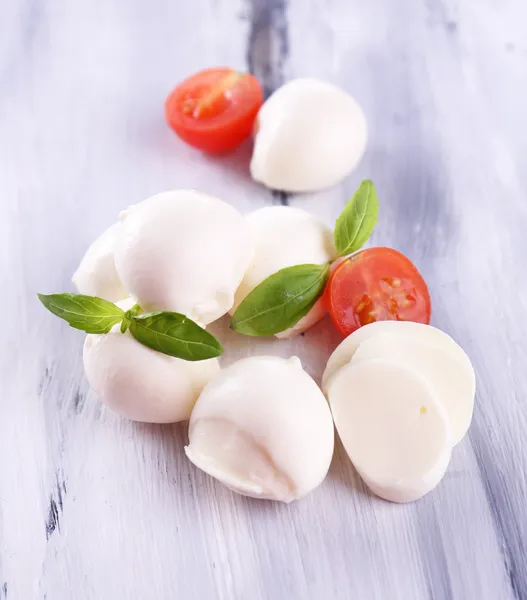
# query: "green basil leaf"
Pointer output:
{"type": "Point", "coordinates": [358, 219]}
{"type": "Point", "coordinates": [88, 313]}
{"type": "Point", "coordinates": [281, 300]}
{"type": "Point", "coordinates": [174, 334]}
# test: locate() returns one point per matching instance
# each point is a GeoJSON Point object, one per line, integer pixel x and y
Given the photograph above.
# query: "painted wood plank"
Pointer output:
{"type": "Point", "coordinates": [93, 506]}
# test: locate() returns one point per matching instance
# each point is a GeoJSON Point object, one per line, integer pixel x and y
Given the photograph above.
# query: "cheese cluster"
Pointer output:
{"type": "Point", "coordinates": [400, 394]}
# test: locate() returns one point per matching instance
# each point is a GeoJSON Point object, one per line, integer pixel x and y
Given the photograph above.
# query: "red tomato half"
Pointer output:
{"type": "Point", "coordinates": [214, 110]}
{"type": "Point", "coordinates": [376, 284]}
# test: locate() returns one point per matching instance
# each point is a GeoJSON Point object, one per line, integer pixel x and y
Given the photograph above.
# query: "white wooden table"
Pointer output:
{"type": "Point", "coordinates": [95, 507]}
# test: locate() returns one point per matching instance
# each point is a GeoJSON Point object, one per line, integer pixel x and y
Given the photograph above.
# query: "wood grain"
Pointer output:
{"type": "Point", "coordinates": [95, 507]}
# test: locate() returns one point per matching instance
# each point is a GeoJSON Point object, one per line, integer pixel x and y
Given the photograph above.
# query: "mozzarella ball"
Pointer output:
{"type": "Point", "coordinates": [309, 135]}
{"type": "Point", "coordinates": [183, 251]}
{"type": "Point", "coordinates": [140, 383]}
{"type": "Point", "coordinates": [429, 351]}
{"type": "Point", "coordinates": [96, 274]}
{"type": "Point", "coordinates": [284, 236]}
{"type": "Point", "coordinates": [263, 428]}
{"type": "Point", "coordinates": [395, 431]}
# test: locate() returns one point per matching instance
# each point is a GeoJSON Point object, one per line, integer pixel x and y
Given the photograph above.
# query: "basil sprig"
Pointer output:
{"type": "Point", "coordinates": [281, 300]}
{"type": "Point", "coordinates": [358, 219]}
{"type": "Point", "coordinates": [166, 332]}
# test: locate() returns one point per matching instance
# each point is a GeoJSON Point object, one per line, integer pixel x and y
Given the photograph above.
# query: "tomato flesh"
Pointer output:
{"type": "Point", "coordinates": [215, 109]}
{"type": "Point", "coordinates": [376, 284]}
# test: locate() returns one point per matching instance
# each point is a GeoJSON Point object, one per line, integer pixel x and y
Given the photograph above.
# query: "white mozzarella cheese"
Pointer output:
{"type": "Point", "coordinates": [446, 368]}
{"type": "Point", "coordinates": [183, 251]}
{"type": "Point", "coordinates": [96, 274]}
{"type": "Point", "coordinates": [344, 352]}
{"type": "Point", "coordinates": [395, 431]}
{"type": "Point", "coordinates": [142, 384]}
{"type": "Point", "coordinates": [263, 428]}
{"type": "Point", "coordinates": [309, 135]}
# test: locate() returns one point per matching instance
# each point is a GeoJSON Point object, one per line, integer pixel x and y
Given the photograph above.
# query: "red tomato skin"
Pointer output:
{"type": "Point", "coordinates": [226, 121]}
{"type": "Point", "coordinates": [376, 284]}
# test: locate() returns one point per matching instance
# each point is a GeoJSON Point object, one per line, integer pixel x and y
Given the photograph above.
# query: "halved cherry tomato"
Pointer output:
{"type": "Point", "coordinates": [214, 110]}
{"type": "Point", "coordinates": [376, 284]}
